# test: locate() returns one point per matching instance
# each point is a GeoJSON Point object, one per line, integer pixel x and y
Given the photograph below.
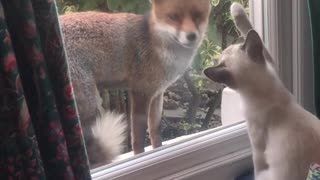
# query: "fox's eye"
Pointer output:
{"type": "Point", "coordinates": [196, 15]}
{"type": "Point", "coordinates": [174, 17]}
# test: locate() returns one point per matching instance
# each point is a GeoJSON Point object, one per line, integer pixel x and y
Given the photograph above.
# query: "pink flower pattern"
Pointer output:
{"type": "Point", "coordinates": [10, 62]}
{"type": "Point", "coordinates": [68, 91]}
{"type": "Point", "coordinates": [30, 29]}
{"type": "Point", "coordinates": [35, 56]}
{"type": "Point", "coordinates": [70, 112]}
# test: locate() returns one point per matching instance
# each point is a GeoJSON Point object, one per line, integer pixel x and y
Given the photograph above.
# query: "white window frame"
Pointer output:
{"type": "Point", "coordinates": [207, 152]}
{"type": "Point", "coordinates": [224, 152]}
{"type": "Point", "coordinates": [288, 37]}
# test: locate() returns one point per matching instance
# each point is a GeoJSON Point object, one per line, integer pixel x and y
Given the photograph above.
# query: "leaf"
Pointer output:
{"type": "Point", "coordinates": [136, 6]}
{"type": "Point", "coordinates": [215, 3]}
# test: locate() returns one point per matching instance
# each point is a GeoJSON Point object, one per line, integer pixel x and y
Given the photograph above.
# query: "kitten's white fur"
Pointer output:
{"type": "Point", "coordinates": [285, 138]}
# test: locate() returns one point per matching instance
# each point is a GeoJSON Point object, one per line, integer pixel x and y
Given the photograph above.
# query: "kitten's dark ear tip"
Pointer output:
{"type": "Point", "coordinates": [209, 73]}
{"type": "Point", "coordinates": [206, 72]}
{"type": "Point", "coordinates": [251, 31]}
{"type": "Point", "coordinates": [253, 34]}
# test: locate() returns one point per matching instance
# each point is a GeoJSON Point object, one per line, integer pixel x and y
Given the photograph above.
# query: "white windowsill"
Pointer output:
{"type": "Point", "coordinates": [165, 144]}
{"type": "Point", "coordinates": [224, 148]}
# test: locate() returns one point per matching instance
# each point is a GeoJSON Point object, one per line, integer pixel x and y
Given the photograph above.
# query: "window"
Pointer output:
{"type": "Point", "coordinates": [197, 145]}
{"type": "Point", "coordinates": [191, 104]}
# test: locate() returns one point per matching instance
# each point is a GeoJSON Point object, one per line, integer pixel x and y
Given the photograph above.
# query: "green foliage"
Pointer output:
{"type": "Point", "coordinates": [209, 53]}
{"type": "Point", "coordinates": [215, 2]}
{"type": "Point", "coordinates": [65, 6]}
{"type": "Point", "coordinates": [132, 6]}
{"type": "Point", "coordinates": [188, 127]}
{"type": "Point", "coordinates": [85, 5]}
{"type": "Point", "coordinates": [136, 6]}
{"type": "Point", "coordinates": [220, 23]}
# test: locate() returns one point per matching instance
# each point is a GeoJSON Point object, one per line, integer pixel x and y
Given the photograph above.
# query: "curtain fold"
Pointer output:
{"type": "Point", "coordinates": [314, 7]}
{"type": "Point", "coordinates": [40, 132]}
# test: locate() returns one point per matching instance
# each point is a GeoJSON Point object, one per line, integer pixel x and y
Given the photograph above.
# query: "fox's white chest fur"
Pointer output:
{"type": "Point", "coordinates": [175, 60]}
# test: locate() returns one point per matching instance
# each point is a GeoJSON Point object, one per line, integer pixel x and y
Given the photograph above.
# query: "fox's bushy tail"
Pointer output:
{"type": "Point", "coordinates": [243, 24]}
{"type": "Point", "coordinates": [109, 131]}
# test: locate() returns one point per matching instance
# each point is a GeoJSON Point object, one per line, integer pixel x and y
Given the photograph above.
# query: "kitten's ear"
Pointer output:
{"type": "Point", "coordinates": [220, 75]}
{"type": "Point", "coordinates": [253, 46]}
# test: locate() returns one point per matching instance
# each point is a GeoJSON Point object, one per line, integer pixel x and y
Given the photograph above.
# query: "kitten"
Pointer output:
{"type": "Point", "coordinates": [285, 138]}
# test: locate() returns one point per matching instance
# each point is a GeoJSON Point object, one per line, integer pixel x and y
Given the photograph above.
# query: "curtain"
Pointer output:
{"type": "Point", "coordinates": [40, 132]}
{"type": "Point", "coordinates": [314, 7]}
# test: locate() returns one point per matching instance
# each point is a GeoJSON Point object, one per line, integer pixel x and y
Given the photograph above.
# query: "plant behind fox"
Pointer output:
{"type": "Point", "coordinates": [142, 53]}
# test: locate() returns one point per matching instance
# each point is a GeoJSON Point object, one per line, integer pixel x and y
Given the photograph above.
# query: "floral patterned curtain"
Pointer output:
{"type": "Point", "coordinates": [40, 133]}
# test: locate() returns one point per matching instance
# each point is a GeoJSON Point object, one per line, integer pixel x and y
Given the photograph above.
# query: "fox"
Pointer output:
{"type": "Point", "coordinates": [143, 54]}
{"type": "Point", "coordinates": [284, 137]}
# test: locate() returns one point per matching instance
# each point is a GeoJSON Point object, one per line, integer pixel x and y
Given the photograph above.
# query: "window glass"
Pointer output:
{"type": "Point", "coordinates": [191, 104]}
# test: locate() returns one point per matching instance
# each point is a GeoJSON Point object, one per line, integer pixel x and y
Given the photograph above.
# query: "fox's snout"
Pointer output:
{"type": "Point", "coordinates": [191, 36]}
{"type": "Point", "coordinates": [187, 38]}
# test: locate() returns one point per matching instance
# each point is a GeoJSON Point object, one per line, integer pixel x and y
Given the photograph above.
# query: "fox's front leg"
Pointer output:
{"type": "Point", "coordinates": [139, 106]}
{"type": "Point", "coordinates": [154, 120]}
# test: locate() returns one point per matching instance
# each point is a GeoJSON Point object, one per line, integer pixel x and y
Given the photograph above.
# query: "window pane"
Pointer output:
{"type": "Point", "coordinates": [97, 60]}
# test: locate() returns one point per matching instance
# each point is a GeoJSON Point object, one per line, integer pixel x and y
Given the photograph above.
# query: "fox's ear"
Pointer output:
{"type": "Point", "coordinates": [220, 74]}
{"type": "Point", "coordinates": [254, 46]}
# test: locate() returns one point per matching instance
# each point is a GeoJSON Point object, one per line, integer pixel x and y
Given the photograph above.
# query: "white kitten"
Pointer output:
{"type": "Point", "coordinates": [285, 138]}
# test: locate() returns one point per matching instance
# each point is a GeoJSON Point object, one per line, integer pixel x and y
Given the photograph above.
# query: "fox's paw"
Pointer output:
{"type": "Point", "coordinates": [236, 10]}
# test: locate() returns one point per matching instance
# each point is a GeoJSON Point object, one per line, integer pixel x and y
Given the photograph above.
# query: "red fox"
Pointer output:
{"type": "Point", "coordinates": [142, 53]}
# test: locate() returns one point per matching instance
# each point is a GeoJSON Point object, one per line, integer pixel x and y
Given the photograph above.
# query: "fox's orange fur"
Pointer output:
{"type": "Point", "coordinates": [142, 53]}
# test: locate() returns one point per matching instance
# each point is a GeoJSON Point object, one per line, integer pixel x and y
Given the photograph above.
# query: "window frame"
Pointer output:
{"type": "Point", "coordinates": [224, 152]}
{"type": "Point", "coordinates": [206, 151]}
{"type": "Point", "coordinates": [287, 25]}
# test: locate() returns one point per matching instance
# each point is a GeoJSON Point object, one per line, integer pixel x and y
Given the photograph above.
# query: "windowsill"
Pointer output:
{"type": "Point", "coordinates": [224, 147]}
{"type": "Point", "coordinates": [166, 143]}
